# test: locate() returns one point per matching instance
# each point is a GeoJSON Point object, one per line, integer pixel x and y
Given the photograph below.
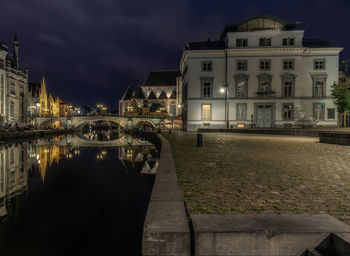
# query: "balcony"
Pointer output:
{"type": "Point", "coordinates": [265, 93]}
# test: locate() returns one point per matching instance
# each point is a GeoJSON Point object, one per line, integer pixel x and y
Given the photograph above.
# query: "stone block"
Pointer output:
{"type": "Point", "coordinates": [262, 234]}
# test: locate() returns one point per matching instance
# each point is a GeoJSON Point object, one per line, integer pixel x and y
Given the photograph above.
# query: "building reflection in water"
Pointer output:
{"type": "Point", "coordinates": [18, 161]}
{"type": "Point", "coordinates": [101, 131]}
{"type": "Point", "coordinates": [139, 158]}
{"type": "Point", "coordinates": [13, 176]}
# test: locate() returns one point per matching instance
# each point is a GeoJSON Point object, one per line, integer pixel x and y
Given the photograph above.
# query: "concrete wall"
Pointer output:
{"type": "Point", "coordinates": [335, 138]}
{"type": "Point", "coordinates": [263, 234]}
{"type": "Point", "coordinates": [166, 230]}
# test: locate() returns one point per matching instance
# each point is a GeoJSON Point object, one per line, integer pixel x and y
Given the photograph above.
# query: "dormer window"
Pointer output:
{"type": "Point", "coordinates": [288, 41]}
{"type": "Point", "coordinates": [241, 42]}
{"type": "Point", "coordinates": [265, 42]}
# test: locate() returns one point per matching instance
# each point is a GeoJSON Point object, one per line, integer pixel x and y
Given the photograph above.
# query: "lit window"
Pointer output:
{"type": "Point", "coordinates": [318, 111]}
{"type": "Point", "coordinates": [288, 64]}
{"type": "Point", "coordinates": [287, 110]}
{"type": "Point", "coordinates": [242, 65]}
{"type": "Point", "coordinates": [207, 66]}
{"type": "Point", "coordinates": [265, 64]}
{"type": "Point", "coordinates": [265, 42]}
{"type": "Point", "coordinates": [319, 64]}
{"type": "Point", "coordinates": [241, 42]}
{"type": "Point", "coordinates": [206, 112]}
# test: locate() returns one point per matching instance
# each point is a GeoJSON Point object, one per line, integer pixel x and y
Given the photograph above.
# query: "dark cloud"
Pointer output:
{"type": "Point", "coordinates": [90, 51]}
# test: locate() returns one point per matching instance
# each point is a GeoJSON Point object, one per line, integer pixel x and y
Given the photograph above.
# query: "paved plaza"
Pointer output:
{"type": "Point", "coordinates": [244, 173]}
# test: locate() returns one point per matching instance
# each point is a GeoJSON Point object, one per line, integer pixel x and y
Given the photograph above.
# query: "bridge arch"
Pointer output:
{"type": "Point", "coordinates": [53, 123]}
{"type": "Point", "coordinates": [145, 124]}
{"type": "Point", "coordinates": [80, 121]}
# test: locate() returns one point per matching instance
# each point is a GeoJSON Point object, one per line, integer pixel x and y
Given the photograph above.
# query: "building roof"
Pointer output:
{"type": "Point", "coordinates": [152, 96]}
{"type": "Point", "coordinates": [173, 95]}
{"type": "Point", "coordinates": [162, 78]}
{"type": "Point", "coordinates": [163, 96]}
{"type": "Point", "coordinates": [139, 94]}
{"type": "Point", "coordinates": [260, 22]}
{"type": "Point", "coordinates": [316, 43]}
{"type": "Point", "coordinates": [206, 45]}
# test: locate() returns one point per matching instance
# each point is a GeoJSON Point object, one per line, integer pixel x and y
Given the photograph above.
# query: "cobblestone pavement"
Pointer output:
{"type": "Point", "coordinates": [241, 173]}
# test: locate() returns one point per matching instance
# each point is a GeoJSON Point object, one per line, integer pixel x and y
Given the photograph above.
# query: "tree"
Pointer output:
{"type": "Point", "coordinates": [341, 97]}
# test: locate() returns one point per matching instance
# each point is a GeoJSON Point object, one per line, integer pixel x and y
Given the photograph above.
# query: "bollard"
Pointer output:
{"type": "Point", "coordinates": [199, 140]}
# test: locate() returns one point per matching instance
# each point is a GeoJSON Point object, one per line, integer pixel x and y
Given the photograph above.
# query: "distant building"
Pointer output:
{"type": "Point", "coordinates": [156, 96]}
{"type": "Point", "coordinates": [33, 101]}
{"type": "Point", "coordinates": [13, 86]}
{"type": "Point", "coordinates": [260, 72]}
{"type": "Point", "coordinates": [50, 106]}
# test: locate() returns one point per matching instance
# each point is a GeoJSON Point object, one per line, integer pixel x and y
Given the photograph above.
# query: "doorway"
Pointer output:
{"type": "Point", "coordinates": [264, 115]}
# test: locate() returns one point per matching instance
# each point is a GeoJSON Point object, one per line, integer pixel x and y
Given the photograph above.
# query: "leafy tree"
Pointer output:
{"type": "Point", "coordinates": [341, 96]}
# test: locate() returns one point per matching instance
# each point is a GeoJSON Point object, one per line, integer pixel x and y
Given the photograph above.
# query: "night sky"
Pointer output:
{"type": "Point", "coordinates": [90, 51]}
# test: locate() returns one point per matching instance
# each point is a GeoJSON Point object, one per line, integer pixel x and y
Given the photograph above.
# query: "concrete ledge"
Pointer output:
{"type": "Point", "coordinates": [263, 234]}
{"type": "Point", "coordinates": [335, 138]}
{"type": "Point", "coordinates": [272, 131]}
{"type": "Point", "coordinates": [166, 230]}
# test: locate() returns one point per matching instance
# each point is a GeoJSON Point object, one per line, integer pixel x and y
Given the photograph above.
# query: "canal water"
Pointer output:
{"type": "Point", "coordinates": [75, 195]}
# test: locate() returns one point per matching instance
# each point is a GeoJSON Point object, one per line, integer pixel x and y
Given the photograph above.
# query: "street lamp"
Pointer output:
{"type": "Point", "coordinates": [223, 90]}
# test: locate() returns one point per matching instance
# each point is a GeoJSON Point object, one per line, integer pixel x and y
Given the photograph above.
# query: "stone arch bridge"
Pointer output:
{"type": "Point", "coordinates": [78, 122]}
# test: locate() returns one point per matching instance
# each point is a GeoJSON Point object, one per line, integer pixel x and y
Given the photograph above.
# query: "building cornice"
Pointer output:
{"type": "Point", "coordinates": [271, 51]}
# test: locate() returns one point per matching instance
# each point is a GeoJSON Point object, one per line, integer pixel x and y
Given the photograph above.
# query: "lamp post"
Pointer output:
{"type": "Point", "coordinates": [225, 90]}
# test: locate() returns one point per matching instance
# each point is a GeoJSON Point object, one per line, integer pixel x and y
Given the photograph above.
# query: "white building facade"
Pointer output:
{"type": "Point", "coordinates": [261, 73]}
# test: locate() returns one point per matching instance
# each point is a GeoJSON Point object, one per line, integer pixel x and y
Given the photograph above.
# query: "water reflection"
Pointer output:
{"type": "Point", "coordinates": [70, 163]}
{"type": "Point", "coordinates": [101, 131]}
{"type": "Point", "coordinates": [13, 175]}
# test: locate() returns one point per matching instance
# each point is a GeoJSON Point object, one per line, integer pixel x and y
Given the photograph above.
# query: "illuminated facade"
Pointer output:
{"type": "Point", "coordinates": [156, 97]}
{"type": "Point", "coordinates": [50, 106]}
{"type": "Point", "coordinates": [13, 86]}
{"type": "Point", "coordinates": [261, 72]}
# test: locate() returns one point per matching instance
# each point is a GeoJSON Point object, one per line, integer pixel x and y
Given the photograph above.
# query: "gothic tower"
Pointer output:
{"type": "Point", "coordinates": [15, 51]}
{"type": "Point", "coordinates": [43, 99]}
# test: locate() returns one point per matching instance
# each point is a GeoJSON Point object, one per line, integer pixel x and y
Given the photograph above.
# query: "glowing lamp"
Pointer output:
{"type": "Point", "coordinates": [240, 126]}
{"type": "Point", "coordinates": [222, 90]}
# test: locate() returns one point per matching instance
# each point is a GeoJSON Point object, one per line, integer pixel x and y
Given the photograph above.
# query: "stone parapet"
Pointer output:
{"type": "Point", "coordinates": [335, 138]}
{"type": "Point", "coordinates": [166, 230]}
